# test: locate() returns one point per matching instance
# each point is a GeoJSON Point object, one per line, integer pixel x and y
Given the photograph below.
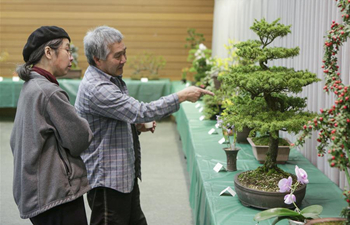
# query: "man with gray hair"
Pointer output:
{"type": "Point", "coordinates": [116, 119]}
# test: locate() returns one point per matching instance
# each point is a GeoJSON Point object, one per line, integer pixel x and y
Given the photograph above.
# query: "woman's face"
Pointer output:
{"type": "Point", "coordinates": [62, 61]}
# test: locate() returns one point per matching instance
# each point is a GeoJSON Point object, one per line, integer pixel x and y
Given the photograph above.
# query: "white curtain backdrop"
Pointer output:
{"type": "Point", "coordinates": [310, 22]}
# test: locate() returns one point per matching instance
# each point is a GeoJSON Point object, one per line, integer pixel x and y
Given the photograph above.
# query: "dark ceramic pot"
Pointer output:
{"type": "Point", "coordinates": [231, 156]}
{"type": "Point", "coordinates": [263, 199]}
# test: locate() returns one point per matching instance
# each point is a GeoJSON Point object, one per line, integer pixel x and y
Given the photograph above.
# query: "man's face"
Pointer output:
{"type": "Point", "coordinates": [114, 63]}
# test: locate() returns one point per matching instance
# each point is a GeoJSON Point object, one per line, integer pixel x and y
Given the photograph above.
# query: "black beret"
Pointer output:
{"type": "Point", "coordinates": [41, 36]}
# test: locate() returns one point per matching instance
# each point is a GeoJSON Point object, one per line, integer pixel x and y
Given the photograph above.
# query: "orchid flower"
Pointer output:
{"type": "Point", "coordinates": [289, 199]}
{"type": "Point", "coordinates": [285, 184]}
{"type": "Point", "coordinates": [301, 175]}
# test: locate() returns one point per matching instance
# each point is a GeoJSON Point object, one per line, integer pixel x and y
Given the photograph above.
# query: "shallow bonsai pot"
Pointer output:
{"type": "Point", "coordinates": [260, 151]}
{"type": "Point", "coordinates": [264, 199]}
{"type": "Point", "coordinates": [325, 221]}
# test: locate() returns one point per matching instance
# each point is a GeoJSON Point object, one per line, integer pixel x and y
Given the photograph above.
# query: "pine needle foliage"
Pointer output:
{"type": "Point", "coordinates": [266, 100]}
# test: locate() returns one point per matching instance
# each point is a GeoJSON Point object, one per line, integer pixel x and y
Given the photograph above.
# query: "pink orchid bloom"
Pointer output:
{"type": "Point", "coordinates": [289, 199]}
{"type": "Point", "coordinates": [285, 184]}
{"type": "Point", "coordinates": [301, 175]}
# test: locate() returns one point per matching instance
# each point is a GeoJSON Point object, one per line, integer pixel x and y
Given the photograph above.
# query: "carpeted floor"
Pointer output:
{"type": "Point", "coordinates": [164, 187]}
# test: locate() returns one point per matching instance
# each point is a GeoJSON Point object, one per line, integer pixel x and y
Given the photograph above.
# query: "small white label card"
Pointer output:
{"type": "Point", "coordinates": [219, 167]}
{"type": "Point", "coordinates": [144, 79]}
{"type": "Point", "coordinates": [212, 131]}
{"type": "Point", "coordinates": [221, 141]}
{"type": "Point", "coordinates": [201, 118]}
{"type": "Point", "coordinates": [15, 79]}
{"type": "Point", "coordinates": [188, 84]}
{"type": "Point", "coordinates": [201, 109]}
{"type": "Point", "coordinates": [198, 105]}
{"type": "Point", "coordinates": [228, 191]}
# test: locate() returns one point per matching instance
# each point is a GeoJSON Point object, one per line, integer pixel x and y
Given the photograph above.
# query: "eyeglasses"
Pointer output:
{"type": "Point", "coordinates": [69, 51]}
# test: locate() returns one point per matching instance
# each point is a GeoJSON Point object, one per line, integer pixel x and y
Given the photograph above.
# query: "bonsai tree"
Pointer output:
{"type": "Point", "coordinates": [265, 101]}
{"type": "Point", "coordinates": [147, 65]}
{"type": "Point", "coordinates": [194, 38]}
{"type": "Point", "coordinates": [198, 55]}
{"type": "Point", "coordinates": [333, 124]}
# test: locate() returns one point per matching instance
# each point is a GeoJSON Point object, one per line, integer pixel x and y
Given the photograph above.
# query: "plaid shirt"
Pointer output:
{"type": "Point", "coordinates": [104, 102]}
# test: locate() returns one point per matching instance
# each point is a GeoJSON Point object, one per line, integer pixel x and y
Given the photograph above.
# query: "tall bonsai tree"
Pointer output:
{"type": "Point", "coordinates": [265, 100]}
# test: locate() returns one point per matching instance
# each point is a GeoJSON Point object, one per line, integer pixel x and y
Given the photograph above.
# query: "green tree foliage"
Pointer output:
{"type": "Point", "coordinates": [265, 101]}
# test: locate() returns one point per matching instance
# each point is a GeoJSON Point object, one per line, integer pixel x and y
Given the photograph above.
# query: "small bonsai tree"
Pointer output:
{"type": "Point", "coordinates": [333, 124]}
{"type": "Point", "coordinates": [147, 65]}
{"type": "Point", "coordinates": [265, 100]}
{"type": "Point", "coordinates": [194, 38]}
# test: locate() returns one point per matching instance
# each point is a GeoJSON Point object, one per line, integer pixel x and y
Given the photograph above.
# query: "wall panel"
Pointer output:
{"type": "Point", "coordinates": [155, 26]}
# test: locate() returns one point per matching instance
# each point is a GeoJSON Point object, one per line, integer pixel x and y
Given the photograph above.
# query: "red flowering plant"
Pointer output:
{"type": "Point", "coordinates": [333, 124]}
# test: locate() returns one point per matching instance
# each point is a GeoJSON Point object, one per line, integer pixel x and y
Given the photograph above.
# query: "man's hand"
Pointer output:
{"type": "Point", "coordinates": [141, 127]}
{"type": "Point", "coordinates": [192, 94]}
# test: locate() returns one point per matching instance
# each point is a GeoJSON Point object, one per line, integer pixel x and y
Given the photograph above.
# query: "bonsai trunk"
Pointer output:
{"type": "Point", "coordinates": [271, 156]}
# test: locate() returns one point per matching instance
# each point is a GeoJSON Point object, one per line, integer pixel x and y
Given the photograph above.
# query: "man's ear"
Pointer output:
{"type": "Point", "coordinates": [97, 61]}
{"type": "Point", "coordinates": [48, 52]}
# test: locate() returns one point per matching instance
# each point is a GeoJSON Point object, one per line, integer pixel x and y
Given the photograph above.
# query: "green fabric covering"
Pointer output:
{"type": "Point", "coordinates": [142, 91]}
{"type": "Point", "coordinates": [203, 152]}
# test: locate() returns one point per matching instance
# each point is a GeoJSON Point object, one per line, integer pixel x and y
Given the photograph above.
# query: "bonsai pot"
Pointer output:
{"type": "Point", "coordinates": [231, 156]}
{"type": "Point", "coordinates": [263, 199]}
{"type": "Point", "coordinates": [243, 135]}
{"type": "Point", "coordinates": [325, 221]}
{"type": "Point", "coordinates": [260, 151]}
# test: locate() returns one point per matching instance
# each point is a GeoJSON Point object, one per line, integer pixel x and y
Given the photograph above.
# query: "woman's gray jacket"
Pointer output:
{"type": "Point", "coordinates": [46, 141]}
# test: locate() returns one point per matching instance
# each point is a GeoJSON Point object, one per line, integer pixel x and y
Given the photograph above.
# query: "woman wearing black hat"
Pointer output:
{"type": "Point", "coordinates": [48, 136]}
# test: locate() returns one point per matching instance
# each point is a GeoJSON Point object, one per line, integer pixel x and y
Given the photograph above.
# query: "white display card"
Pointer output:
{"type": "Point", "coordinates": [219, 167]}
{"type": "Point", "coordinates": [15, 79]}
{"type": "Point", "coordinates": [201, 118]}
{"type": "Point", "coordinates": [144, 79]}
{"type": "Point", "coordinates": [228, 191]}
{"type": "Point", "coordinates": [201, 109]}
{"type": "Point", "coordinates": [212, 131]}
{"type": "Point", "coordinates": [222, 140]}
{"type": "Point", "coordinates": [198, 105]}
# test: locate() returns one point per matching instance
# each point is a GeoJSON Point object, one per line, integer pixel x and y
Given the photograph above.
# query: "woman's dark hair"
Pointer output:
{"type": "Point", "coordinates": [23, 70]}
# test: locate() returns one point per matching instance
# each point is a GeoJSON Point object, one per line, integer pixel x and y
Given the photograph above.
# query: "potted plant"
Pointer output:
{"type": "Point", "coordinates": [264, 101]}
{"type": "Point", "coordinates": [201, 63]}
{"type": "Point", "coordinates": [193, 40]}
{"type": "Point", "coordinates": [213, 104]}
{"type": "Point", "coordinates": [75, 71]}
{"type": "Point", "coordinates": [231, 150]}
{"type": "Point", "coordinates": [333, 123]}
{"type": "Point", "coordinates": [146, 65]}
{"type": "Point", "coordinates": [297, 216]}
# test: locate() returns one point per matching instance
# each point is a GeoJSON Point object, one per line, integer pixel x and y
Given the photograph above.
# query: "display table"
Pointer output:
{"type": "Point", "coordinates": [142, 91]}
{"type": "Point", "coordinates": [203, 152]}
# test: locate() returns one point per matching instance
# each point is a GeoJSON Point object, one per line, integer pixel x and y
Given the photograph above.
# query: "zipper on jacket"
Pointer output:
{"type": "Point", "coordinates": [68, 173]}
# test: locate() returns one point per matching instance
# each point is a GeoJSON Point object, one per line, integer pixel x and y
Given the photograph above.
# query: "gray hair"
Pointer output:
{"type": "Point", "coordinates": [23, 70]}
{"type": "Point", "coordinates": [97, 41]}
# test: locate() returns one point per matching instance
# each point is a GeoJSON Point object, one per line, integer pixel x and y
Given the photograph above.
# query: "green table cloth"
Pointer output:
{"type": "Point", "coordinates": [203, 152]}
{"type": "Point", "coordinates": [142, 91]}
